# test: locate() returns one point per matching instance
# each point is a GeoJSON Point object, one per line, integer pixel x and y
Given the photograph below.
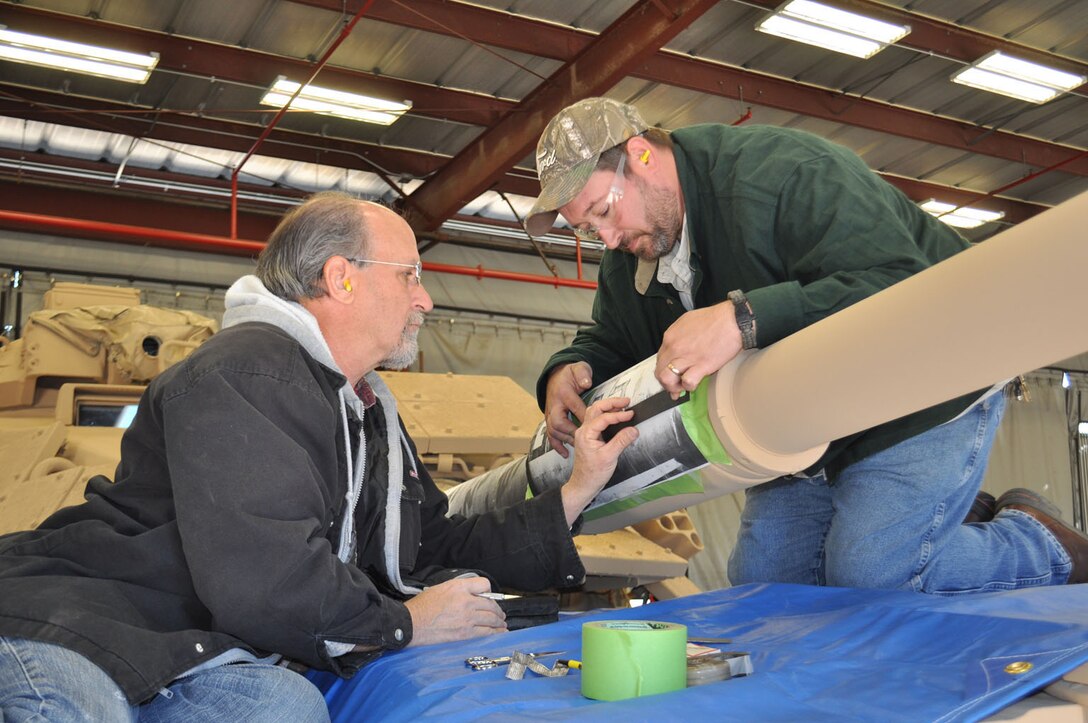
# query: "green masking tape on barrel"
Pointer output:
{"type": "Point", "coordinates": [631, 658]}
{"type": "Point", "coordinates": [695, 415]}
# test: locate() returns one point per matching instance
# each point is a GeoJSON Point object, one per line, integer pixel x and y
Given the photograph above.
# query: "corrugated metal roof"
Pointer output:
{"type": "Point", "coordinates": [899, 76]}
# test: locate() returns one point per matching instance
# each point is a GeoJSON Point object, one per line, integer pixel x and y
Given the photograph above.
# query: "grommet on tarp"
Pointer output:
{"type": "Point", "coordinates": [1018, 668]}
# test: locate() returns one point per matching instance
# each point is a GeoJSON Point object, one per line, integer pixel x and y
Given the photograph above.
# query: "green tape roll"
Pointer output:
{"type": "Point", "coordinates": [632, 658]}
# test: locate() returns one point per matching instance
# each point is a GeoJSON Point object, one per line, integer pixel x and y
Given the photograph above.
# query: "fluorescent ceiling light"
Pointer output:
{"type": "Point", "coordinates": [1004, 74]}
{"type": "Point", "coordinates": [334, 102]}
{"type": "Point", "coordinates": [76, 57]}
{"type": "Point", "coordinates": [960, 218]}
{"type": "Point", "coordinates": [828, 27]}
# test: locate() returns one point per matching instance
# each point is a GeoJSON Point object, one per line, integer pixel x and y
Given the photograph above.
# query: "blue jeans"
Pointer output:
{"type": "Point", "coordinates": [42, 682]}
{"type": "Point", "coordinates": [895, 520]}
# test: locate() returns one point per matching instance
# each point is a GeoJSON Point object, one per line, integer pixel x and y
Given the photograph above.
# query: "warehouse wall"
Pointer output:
{"type": "Point", "coordinates": [479, 326]}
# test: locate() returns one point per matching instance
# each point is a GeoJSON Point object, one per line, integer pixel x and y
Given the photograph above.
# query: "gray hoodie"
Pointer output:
{"type": "Point", "coordinates": [248, 300]}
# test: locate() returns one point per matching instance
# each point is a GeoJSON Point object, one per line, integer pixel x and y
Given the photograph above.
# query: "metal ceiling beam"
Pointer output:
{"type": "Point", "coordinates": [920, 191]}
{"type": "Point", "coordinates": [174, 188]}
{"type": "Point", "coordinates": [136, 209]}
{"type": "Point", "coordinates": [512, 32]}
{"type": "Point", "coordinates": [104, 116]}
{"type": "Point", "coordinates": [175, 214]}
{"type": "Point", "coordinates": [111, 117]}
{"type": "Point", "coordinates": [931, 35]}
{"type": "Point", "coordinates": [808, 100]}
{"type": "Point", "coordinates": [517, 33]}
{"type": "Point", "coordinates": [476, 23]}
{"type": "Point", "coordinates": [644, 28]}
{"type": "Point", "coordinates": [549, 40]}
{"type": "Point", "coordinates": [255, 68]}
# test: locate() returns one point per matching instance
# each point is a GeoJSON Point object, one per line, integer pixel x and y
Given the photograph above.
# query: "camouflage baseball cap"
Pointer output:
{"type": "Point", "coordinates": [568, 151]}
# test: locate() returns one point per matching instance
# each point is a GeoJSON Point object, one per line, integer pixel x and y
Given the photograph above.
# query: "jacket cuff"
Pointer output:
{"type": "Point", "coordinates": [394, 617]}
{"type": "Point", "coordinates": [397, 627]}
{"type": "Point", "coordinates": [396, 631]}
{"type": "Point", "coordinates": [779, 310]}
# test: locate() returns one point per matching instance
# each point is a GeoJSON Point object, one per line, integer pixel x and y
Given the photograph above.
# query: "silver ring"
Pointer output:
{"type": "Point", "coordinates": [674, 370]}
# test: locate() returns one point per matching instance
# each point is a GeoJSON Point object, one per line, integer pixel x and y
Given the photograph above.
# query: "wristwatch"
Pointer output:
{"type": "Point", "coordinates": [746, 319]}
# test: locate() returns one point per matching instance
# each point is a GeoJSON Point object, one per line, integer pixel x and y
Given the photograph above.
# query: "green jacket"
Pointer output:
{"type": "Point", "coordinates": [799, 224]}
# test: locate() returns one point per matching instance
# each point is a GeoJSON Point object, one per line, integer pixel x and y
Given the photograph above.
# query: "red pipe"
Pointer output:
{"type": "Point", "coordinates": [218, 244]}
{"type": "Point", "coordinates": [120, 231]}
{"type": "Point", "coordinates": [1038, 173]}
{"type": "Point", "coordinates": [317, 69]}
{"type": "Point", "coordinates": [481, 273]}
{"type": "Point", "coordinates": [578, 254]}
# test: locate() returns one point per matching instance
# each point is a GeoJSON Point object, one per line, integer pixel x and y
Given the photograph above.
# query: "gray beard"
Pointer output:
{"type": "Point", "coordinates": [407, 350]}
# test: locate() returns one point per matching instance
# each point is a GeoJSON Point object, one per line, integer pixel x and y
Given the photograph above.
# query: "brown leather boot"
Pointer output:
{"type": "Point", "coordinates": [982, 509]}
{"type": "Point", "coordinates": [1073, 540]}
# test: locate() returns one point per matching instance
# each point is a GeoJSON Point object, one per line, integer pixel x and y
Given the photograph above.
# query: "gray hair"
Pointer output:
{"type": "Point", "coordinates": [326, 224]}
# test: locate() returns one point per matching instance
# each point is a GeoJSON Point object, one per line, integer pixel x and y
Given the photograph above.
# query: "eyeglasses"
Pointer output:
{"type": "Point", "coordinates": [417, 266]}
{"type": "Point", "coordinates": [615, 193]}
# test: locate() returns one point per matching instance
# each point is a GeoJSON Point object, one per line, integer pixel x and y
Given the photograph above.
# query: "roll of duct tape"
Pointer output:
{"type": "Point", "coordinates": [632, 658]}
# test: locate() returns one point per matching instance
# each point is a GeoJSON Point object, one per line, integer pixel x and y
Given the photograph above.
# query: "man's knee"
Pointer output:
{"type": "Point", "coordinates": [40, 681]}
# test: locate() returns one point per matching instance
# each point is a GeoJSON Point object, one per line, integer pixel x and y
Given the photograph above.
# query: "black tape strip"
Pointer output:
{"type": "Point", "coordinates": [647, 408]}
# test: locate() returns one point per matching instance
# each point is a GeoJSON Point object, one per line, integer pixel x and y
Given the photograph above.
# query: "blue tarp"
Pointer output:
{"type": "Point", "coordinates": [818, 654]}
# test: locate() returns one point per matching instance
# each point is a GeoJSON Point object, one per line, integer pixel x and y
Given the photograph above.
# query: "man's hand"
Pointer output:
{"type": "Point", "coordinates": [594, 459]}
{"type": "Point", "coordinates": [563, 395]}
{"type": "Point", "coordinates": [699, 343]}
{"type": "Point", "coordinates": [453, 611]}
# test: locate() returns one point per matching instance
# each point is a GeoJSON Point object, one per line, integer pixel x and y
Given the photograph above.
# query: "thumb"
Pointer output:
{"type": "Point", "coordinates": [623, 439]}
{"type": "Point", "coordinates": [583, 374]}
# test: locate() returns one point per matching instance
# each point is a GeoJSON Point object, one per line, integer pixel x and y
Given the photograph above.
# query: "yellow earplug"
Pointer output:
{"type": "Point", "coordinates": [645, 157]}
{"type": "Point", "coordinates": [347, 286]}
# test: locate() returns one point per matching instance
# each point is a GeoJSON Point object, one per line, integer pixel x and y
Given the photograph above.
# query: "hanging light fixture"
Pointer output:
{"type": "Point", "coordinates": [960, 217]}
{"type": "Point", "coordinates": [829, 27]}
{"type": "Point", "coordinates": [76, 57]}
{"type": "Point", "coordinates": [1016, 78]}
{"type": "Point", "coordinates": [327, 101]}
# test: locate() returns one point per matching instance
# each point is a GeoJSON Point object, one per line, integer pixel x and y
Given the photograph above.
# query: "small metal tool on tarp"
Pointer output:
{"type": "Point", "coordinates": [520, 662]}
{"type": "Point", "coordinates": [483, 662]}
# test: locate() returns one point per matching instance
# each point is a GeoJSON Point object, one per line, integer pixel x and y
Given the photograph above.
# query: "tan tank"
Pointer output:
{"type": "Point", "coordinates": [69, 386]}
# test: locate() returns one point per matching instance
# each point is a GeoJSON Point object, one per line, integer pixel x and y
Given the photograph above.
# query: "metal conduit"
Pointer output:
{"type": "Point", "coordinates": [241, 247]}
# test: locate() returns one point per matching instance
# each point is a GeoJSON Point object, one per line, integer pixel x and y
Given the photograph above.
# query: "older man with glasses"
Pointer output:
{"type": "Point", "coordinates": [270, 508]}
{"type": "Point", "coordinates": [724, 238]}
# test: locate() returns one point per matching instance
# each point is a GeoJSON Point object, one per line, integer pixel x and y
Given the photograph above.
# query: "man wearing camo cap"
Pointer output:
{"type": "Point", "coordinates": [722, 238]}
